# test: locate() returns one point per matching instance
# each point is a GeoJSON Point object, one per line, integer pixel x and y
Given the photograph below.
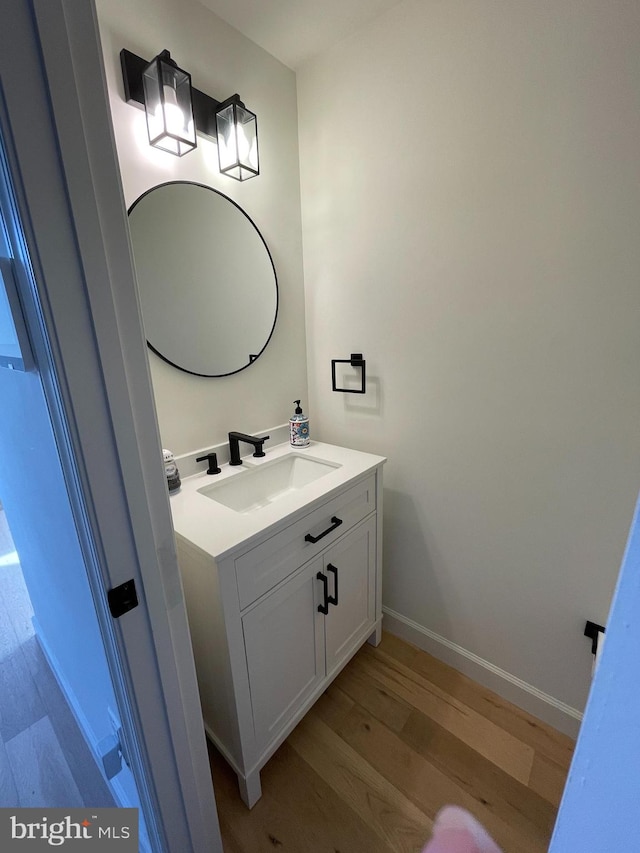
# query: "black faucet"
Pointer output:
{"type": "Point", "coordinates": [234, 445]}
{"type": "Point", "coordinates": [212, 459]}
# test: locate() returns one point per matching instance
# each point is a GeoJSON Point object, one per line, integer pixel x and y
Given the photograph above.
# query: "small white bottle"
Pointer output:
{"type": "Point", "coordinates": [299, 428]}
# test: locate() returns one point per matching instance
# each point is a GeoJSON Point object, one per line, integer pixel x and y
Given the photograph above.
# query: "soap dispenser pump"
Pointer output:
{"type": "Point", "coordinates": [299, 428]}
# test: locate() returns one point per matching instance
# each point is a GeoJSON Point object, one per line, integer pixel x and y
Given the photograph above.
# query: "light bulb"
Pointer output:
{"type": "Point", "coordinates": [173, 115]}
{"type": "Point", "coordinates": [227, 145]}
{"type": "Point", "coordinates": [243, 143]}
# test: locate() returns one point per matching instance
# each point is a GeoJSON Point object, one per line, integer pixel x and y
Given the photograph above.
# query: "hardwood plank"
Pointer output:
{"type": "Point", "coordinates": [20, 703]}
{"type": "Point", "coordinates": [8, 790]}
{"type": "Point", "coordinates": [366, 758]}
{"type": "Point", "coordinates": [298, 811]}
{"type": "Point", "coordinates": [393, 817]}
{"type": "Point", "coordinates": [543, 738]}
{"type": "Point", "coordinates": [481, 779]}
{"type": "Point", "coordinates": [41, 773]}
{"type": "Point", "coordinates": [425, 784]}
{"type": "Point", "coordinates": [29, 691]}
{"type": "Point", "coordinates": [513, 803]}
{"type": "Point", "coordinates": [494, 743]}
{"type": "Point", "coordinates": [548, 779]}
{"type": "Point", "coordinates": [9, 642]}
{"type": "Point", "coordinates": [229, 842]}
{"type": "Point", "coordinates": [408, 771]}
{"type": "Point", "coordinates": [402, 651]}
{"type": "Point", "coordinates": [78, 755]}
{"type": "Point", "coordinates": [15, 602]}
{"type": "Point", "coordinates": [383, 705]}
{"type": "Point", "coordinates": [333, 706]}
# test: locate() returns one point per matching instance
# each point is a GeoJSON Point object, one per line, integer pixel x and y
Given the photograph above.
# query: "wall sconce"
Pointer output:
{"type": "Point", "coordinates": [237, 140]}
{"type": "Point", "coordinates": [175, 111]}
{"type": "Point", "coordinates": [168, 105]}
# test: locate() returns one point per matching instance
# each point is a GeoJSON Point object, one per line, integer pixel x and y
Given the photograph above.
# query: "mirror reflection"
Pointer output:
{"type": "Point", "coordinates": [207, 283]}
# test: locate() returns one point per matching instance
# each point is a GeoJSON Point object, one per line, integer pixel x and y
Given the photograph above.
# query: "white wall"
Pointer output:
{"type": "Point", "coordinates": [470, 203]}
{"type": "Point", "coordinates": [196, 412]}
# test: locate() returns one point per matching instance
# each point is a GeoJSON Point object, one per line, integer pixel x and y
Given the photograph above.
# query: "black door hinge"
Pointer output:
{"type": "Point", "coordinates": [122, 598]}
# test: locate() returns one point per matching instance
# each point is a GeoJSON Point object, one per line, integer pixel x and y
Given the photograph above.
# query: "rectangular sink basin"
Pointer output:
{"type": "Point", "coordinates": [254, 488]}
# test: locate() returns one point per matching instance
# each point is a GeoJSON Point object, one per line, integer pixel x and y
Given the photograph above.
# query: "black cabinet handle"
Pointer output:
{"type": "Point", "coordinates": [324, 608]}
{"type": "Point", "coordinates": [333, 599]}
{"type": "Point", "coordinates": [335, 522]}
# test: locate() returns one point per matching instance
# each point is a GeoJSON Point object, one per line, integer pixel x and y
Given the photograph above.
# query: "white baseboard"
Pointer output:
{"type": "Point", "coordinates": [114, 786]}
{"type": "Point", "coordinates": [543, 706]}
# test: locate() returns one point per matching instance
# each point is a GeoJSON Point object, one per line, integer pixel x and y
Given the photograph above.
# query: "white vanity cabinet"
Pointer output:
{"type": "Point", "coordinates": [275, 619]}
{"type": "Point", "coordinates": [292, 646]}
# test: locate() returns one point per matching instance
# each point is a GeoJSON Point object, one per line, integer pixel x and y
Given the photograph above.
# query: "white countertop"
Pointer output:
{"type": "Point", "coordinates": [217, 530]}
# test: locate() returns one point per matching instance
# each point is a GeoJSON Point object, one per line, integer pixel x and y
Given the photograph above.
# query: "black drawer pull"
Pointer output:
{"type": "Point", "coordinates": [333, 599]}
{"type": "Point", "coordinates": [324, 608]}
{"type": "Point", "coordinates": [335, 522]}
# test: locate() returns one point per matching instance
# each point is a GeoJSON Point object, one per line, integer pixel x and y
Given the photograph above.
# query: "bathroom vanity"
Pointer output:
{"type": "Point", "coordinates": [281, 566]}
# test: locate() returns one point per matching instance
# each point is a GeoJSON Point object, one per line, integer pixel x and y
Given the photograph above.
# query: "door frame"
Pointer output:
{"type": "Point", "coordinates": [56, 125]}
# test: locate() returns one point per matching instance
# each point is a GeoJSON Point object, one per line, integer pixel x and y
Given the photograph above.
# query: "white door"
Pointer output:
{"type": "Point", "coordinates": [80, 455]}
{"type": "Point", "coordinates": [284, 644]}
{"type": "Point", "coordinates": [351, 571]}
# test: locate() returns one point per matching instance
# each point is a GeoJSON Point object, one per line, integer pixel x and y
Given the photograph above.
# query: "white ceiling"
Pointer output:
{"type": "Point", "coordinates": [294, 30]}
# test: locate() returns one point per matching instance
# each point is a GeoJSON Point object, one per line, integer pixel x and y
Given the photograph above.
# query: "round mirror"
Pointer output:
{"type": "Point", "coordinates": [207, 283]}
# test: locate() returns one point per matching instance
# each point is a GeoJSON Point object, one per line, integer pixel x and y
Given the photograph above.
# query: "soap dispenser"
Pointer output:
{"type": "Point", "coordinates": [171, 471]}
{"type": "Point", "coordinates": [299, 428]}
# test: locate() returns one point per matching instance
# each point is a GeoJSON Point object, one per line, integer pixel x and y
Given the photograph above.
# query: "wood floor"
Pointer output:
{"type": "Point", "coordinates": [397, 736]}
{"type": "Point", "coordinates": [44, 759]}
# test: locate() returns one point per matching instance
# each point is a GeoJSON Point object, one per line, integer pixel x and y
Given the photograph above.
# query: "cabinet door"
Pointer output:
{"type": "Point", "coordinates": [284, 643]}
{"type": "Point", "coordinates": [351, 564]}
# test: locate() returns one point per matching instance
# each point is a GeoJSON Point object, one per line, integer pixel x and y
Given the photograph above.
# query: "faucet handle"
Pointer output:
{"type": "Point", "coordinates": [212, 459]}
{"type": "Point", "coordinates": [259, 445]}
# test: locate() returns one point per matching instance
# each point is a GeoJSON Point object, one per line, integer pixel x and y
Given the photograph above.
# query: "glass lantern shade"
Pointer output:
{"type": "Point", "coordinates": [168, 105]}
{"type": "Point", "coordinates": [237, 142]}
